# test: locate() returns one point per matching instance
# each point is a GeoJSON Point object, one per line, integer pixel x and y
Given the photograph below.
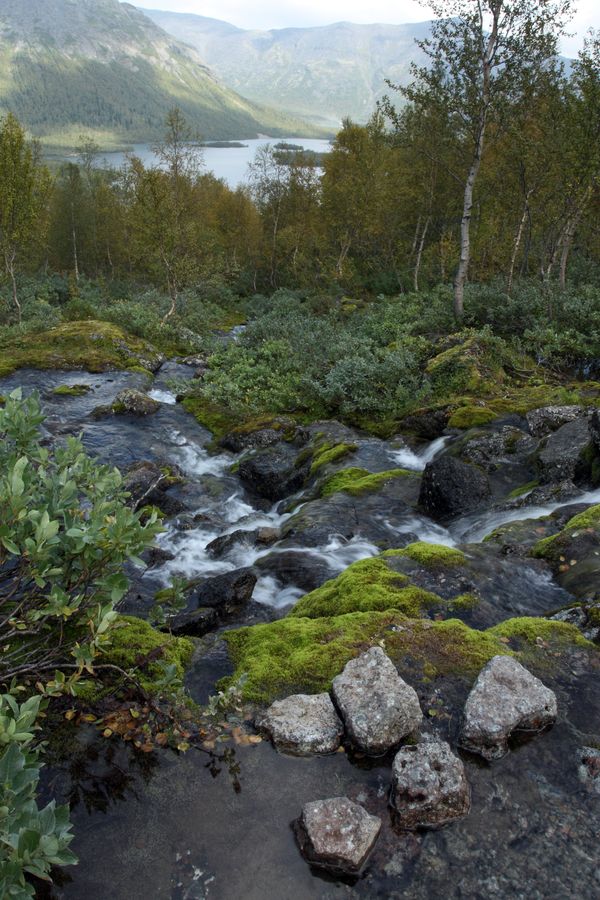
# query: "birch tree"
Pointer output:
{"type": "Point", "coordinates": [483, 54]}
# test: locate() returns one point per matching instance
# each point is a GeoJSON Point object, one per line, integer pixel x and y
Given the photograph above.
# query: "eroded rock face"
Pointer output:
{"type": "Point", "coordinates": [272, 473]}
{"type": "Point", "coordinates": [378, 708]}
{"type": "Point", "coordinates": [561, 457]}
{"type": "Point", "coordinates": [303, 724]}
{"type": "Point", "coordinates": [134, 403]}
{"type": "Point", "coordinates": [451, 487]}
{"type": "Point", "coordinates": [548, 418]}
{"type": "Point", "coordinates": [429, 786]}
{"type": "Point", "coordinates": [505, 698]}
{"type": "Point", "coordinates": [337, 834]}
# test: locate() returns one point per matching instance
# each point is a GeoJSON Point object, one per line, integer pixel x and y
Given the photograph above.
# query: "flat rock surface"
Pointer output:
{"type": "Point", "coordinates": [378, 708]}
{"type": "Point", "coordinates": [429, 786]}
{"type": "Point", "coordinates": [337, 834]}
{"type": "Point", "coordinates": [303, 724]}
{"type": "Point", "coordinates": [506, 697]}
{"type": "Point", "coordinates": [561, 457]}
{"type": "Point", "coordinates": [548, 418]}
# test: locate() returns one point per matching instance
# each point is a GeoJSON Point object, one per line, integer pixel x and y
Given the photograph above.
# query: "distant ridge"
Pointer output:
{"type": "Point", "coordinates": [322, 73]}
{"type": "Point", "coordinates": [103, 68]}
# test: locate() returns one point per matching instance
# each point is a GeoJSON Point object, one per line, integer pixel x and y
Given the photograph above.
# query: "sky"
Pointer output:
{"type": "Point", "coordinates": [265, 14]}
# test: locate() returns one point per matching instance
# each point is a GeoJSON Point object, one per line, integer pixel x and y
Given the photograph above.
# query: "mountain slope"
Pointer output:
{"type": "Point", "coordinates": [324, 73]}
{"type": "Point", "coordinates": [101, 67]}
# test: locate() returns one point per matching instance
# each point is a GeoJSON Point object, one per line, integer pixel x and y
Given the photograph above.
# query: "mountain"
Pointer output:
{"type": "Point", "coordinates": [103, 68]}
{"type": "Point", "coordinates": [324, 73]}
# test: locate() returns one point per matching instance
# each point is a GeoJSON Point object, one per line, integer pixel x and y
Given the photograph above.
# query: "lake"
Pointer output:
{"type": "Point", "coordinates": [229, 163]}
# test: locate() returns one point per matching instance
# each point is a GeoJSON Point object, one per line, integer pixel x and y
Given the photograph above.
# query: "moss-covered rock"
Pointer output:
{"type": "Point", "coordinates": [327, 453]}
{"type": "Point", "coordinates": [136, 645]}
{"type": "Point", "coordinates": [364, 586]}
{"type": "Point", "coordinates": [92, 346]}
{"type": "Point", "coordinates": [72, 390]}
{"type": "Point", "coordinates": [431, 555]}
{"type": "Point", "coordinates": [357, 481]}
{"type": "Point", "coordinates": [471, 417]}
{"type": "Point", "coordinates": [296, 655]}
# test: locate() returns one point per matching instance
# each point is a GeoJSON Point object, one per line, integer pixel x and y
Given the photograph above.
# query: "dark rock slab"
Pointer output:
{"type": "Point", "coordinates": [451, 487]}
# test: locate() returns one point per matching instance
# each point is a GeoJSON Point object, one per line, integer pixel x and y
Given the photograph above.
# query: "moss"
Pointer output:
{"type": "Point", "coordinates": [471, 417]}
{"type": "Point", "coordinates": [329, 453]}
{"type": "Point", "coordinates": [89, 345]}
{"type": "Point", "coordinates": [72, 390]}
{"type": "Point", "coordinates": [551, 547]}
{"type": "Point", "coordinates": [364, 586]}
{"type": "Point", "coordinates": [135, 644]}
{"type": "Point", "coordinates": [529, 630]}
{"type": "Point", "coordinates": [464, 602]}
{"type": "Point", "coordinates": [140, 370]}
{"type": "Point", "coordinates": [359, 481]}
{"type": "Point", "coordinates": [523, 489]}
{"type": "Point", "coordinates": [296, 654]}
{"type": "Point", "coordinates": [217, 420]}
{"type": "Point", "coordinates": [432, 555]}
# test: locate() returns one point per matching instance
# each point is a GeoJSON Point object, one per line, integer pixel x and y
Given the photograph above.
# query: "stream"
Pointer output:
{"type": "Point", "coordinates": [164, 827]}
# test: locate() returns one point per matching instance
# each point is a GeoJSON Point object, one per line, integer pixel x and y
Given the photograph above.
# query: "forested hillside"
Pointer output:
{"type": "Point", "coordinates": [105, 69]}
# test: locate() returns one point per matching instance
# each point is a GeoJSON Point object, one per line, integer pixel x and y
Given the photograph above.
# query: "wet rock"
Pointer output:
{"type": "Point", "coordinates": [134, 403]}
{"type": "Point", "coordinates": [595, 430]}
{"type": "Point", "coordinates": [148, 483]}
{"type": "Point", "coordinates": [195, 623]}
{"type": "Point", "coordinates": [156, 556]}
{"type": "Point", "coordinates": [275, 432]}
{"type": "Point", "coordinates": [505, 698]}
{"type": "Point", "coordinates": [378, 708]}
{"type": "Point", "coordinates": [272, 473]}
{"type": "Point", "coordinates": [226, 542]}
{"type": "Point", "coordinates": [428, 424]}
{"type": "Point", "coordinates": [304, 570]}
{"type": "Point", "coordinates": [560, 460]}
{"type": "Point", "coordinates": [303, 724]}
{"type": "Point", "coordinates": [227, 592]}
{"type": "Point", "coordinates": [429, 786]}
{"type": "Point", "coordinates": [545, 494]}
{"type": "Point", "coordinates": [589, 768]}
{"type": "Point", "coordinates": [546, 419]}
{"type": "Point", "coordinates": [451, 487]}
{"type": "Point", "coordinates": [490, 450]}
{"type": "Point", "coordinates": [337, 835]}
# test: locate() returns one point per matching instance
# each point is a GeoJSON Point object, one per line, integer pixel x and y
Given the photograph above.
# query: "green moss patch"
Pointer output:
{"type": "Point", "coordinates": [364, 586]}
{"type": "Point", "coordinates": [471, 417]}
{"type": "Point", "coordinates": [550, 548]}
{"type": "Point", "coordinates": [329, 453]}
{"type": "Point", "coordinates": [72, 390]}
{"type": "Point", "coordinates": [357, 481]}
{"type": "Point", "coordinates": [529, 630]}
{"type": "Point", "coordinates": [431, 555]}
{"type": "Point", "coordinates": [89, 345]}
{"type": "Point", "coordinates": [136, 645]}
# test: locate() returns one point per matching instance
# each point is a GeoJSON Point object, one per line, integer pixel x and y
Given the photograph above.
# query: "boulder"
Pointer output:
{"type": "Point", "coordinates": [505, 698]}
{"type": "Point", "coordinates": [378, 708]}
{"type": "Point", "coordinates": [546, 419]}
{"type": "Point", "coordinates": [595, 430]}
{"type": "Point", "coordinates": [134, 403]}
{"type": "Point", "coordinates": [303, 724]}
{"type": "Point", "coordinates": [451, 487]}
{"type": "Point", "coordinates": [226, 542]}
{"type": "Point", "coordinates": [274, 432]}
{"type": "Point", "coordinates": [560, 460]}
{"type": "Point", "coordinates": [272, 473]}
{"type": "Point", "coordinates": [429, 786]}
{"type": "Point", "coordinates": [147, 483]}
{"type": "Point", "coordinates": [227, 592]}
{"type": "Point", "coordinates": [506, 445]}
{"type": "Point", "coordinates": [337, 835]}
{"type": "Point", "coordinates": [195, 623]}
{"type": "Point", "coordinates": [303, 569]}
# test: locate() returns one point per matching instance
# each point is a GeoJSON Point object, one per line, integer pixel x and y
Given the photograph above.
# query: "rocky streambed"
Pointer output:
{"type": "Point", "coordinates": [444, 554]}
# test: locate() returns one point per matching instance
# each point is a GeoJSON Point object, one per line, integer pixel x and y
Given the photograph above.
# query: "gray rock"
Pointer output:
{"type": "Point", "coordinates": [195, 623]}
{"type": "Point", "coordinates": [506, 445]}
{"type": "Point", "coordinates": [506, 697]}
{"type": "Point", "coordinates": [378, 708]}
{"type": "Point", "coordinates": [227, 592]}
{"type": "Point", "coordinates": [560, 460]}
{"type": "Point", "coordinates": [429, 786]}
{"type": "Point", "coordinates": [337, 835]}
{"type": "Point", "coordinates": [451, 487]}
{"type": "Point", "coordinates": [272, 473]}
{"type": "Point", "coordinates": [548, 418]}
{"type": "Point", "coordinates": [134, 403]}
{"type": "Point", "coordinates": [303, 724]}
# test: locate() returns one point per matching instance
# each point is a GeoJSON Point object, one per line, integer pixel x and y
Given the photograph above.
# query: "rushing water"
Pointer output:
{"type": "Point", "coordinates": [164, 828]}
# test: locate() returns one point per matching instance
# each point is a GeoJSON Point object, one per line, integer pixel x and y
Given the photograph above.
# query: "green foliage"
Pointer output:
{"type": "Point", "coordinates": [64, 536]}
{"type": "Point", "coordinates": [32, 840]}
{"type": "Point", "coordinates": [551, 547]}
